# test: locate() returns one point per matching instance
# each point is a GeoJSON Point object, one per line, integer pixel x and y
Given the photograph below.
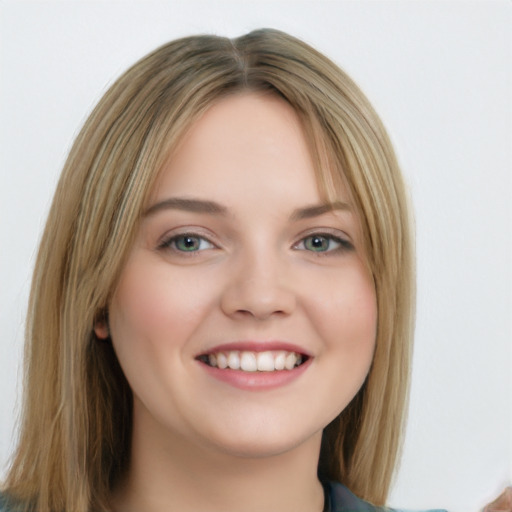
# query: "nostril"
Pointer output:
{"type": "Point", "coordinates": [262, 298]}
{"type": "Point", "coordinates": [260, 313]}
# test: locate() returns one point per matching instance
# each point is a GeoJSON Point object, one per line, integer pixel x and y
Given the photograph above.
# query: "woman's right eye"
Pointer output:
{"type": "Point", "coordinates": [187, 242]}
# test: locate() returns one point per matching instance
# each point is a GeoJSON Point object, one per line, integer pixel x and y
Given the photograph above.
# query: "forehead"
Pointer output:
{"type": "Point", "coordinates": [244, 140]}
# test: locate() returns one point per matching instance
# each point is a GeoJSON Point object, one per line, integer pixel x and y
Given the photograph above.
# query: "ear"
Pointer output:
{"type": "Point", "coordinates": [101, 328]}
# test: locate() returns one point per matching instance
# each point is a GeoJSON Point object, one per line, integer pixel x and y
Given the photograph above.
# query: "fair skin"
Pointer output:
{"type": "Point", "coordinates": [238, 256]}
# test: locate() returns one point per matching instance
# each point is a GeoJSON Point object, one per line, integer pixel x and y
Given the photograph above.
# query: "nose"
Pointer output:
{"type": "Point", "coordinates": [258, 287]}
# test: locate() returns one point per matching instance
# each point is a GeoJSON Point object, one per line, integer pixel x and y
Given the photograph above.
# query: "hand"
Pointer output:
{"type": "Point", "coordinates": [501, 504]}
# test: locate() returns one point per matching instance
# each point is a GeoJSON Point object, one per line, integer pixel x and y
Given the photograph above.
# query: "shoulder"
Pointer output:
{"type": "Point", "coordinates": [342, 500]}
{"type": "Point", "coordinates": [6, 505]}
{"type": "Point", "coordinates": [3, 503]}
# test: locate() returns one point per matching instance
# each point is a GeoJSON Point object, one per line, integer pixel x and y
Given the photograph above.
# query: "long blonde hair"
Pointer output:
{"type": "Point", "coordinates": [74, 442]}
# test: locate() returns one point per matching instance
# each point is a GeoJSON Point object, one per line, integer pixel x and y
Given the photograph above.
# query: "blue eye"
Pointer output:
{"type": "Point", "coordinates": [323, 243]}
{"type": "Point", "coordinates": [187, 243]}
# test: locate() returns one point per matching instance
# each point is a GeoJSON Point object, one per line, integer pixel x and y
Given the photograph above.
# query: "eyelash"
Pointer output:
{"type": "Point", "coordinates": [170, 243]}
{"type": "Point", "coordinates": [341, 244]}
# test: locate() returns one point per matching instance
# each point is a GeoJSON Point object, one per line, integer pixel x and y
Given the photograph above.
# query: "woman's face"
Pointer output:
{"type": "Point", "coordinates": [240, 262]}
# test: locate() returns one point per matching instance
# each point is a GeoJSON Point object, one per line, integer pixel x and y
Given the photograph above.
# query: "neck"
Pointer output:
{"type": "Point", "coordinates": [168, 472]}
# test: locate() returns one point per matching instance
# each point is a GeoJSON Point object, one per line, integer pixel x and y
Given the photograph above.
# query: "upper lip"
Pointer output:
{"type": "Point", "coordinates": [256, 346]}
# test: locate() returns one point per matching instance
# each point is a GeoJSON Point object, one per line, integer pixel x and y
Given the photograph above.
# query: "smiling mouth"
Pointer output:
{"type": "Point", "coordinates": [249, 361]}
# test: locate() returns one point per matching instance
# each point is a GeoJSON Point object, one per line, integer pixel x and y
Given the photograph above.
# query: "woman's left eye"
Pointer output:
{"type": "Point", "coordinates": [321, 243]}
{"type": "Point", "coordinates": [187, 243]}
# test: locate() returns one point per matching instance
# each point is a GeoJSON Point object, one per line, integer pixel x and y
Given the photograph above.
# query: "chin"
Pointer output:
{"type": "Point", "coordinates": [263, 441]}
{"type": "Point", "coordinates": [258, 450]}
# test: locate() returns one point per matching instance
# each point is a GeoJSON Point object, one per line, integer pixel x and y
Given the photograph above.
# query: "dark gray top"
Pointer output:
{"type": "Point", "coordinates": [337, 499]}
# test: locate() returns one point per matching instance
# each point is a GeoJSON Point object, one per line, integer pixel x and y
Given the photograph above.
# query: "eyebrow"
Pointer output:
{"type": "Point", "coordinates": [186, 204]}
{"type": "Point", "coordinates": [317, 210]}
{"type": "Point", "coordinates": [211, 207]}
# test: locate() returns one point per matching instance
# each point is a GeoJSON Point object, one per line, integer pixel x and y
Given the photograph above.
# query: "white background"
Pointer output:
{"type": "Point", "coordinates": [439, 73]}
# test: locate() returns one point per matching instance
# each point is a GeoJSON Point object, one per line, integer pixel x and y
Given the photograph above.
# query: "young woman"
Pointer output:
{"type": "Point", "coordinates": [222, 307]}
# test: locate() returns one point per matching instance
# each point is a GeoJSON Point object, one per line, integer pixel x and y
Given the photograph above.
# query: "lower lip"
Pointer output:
{"type": "Point", "coordinates": [256, 381]}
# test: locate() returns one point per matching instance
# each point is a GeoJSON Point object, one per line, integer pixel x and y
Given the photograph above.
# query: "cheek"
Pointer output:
{"type": "Point", "coordinates": [347, 321]}
{"type": "Point", "coordinates": [154, 312]}
{"type": "Point", "coordinates": [149, 299]}
{"type": "Point", "coordinates": [153, 317]}
{"type": "Point", "coordinates": [349, 310]}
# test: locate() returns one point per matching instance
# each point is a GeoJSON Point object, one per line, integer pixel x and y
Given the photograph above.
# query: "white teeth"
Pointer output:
{"type": "Point", "coordinates": [248, 361]}
{"type": "Point", "coordinates": [279, 361]}
{"type": "Point", "coordinates": [291, 360]}
{"type": "Point", "coordinates": [265, 362]}
{"type": "Point", "coordinates": [212, 359]}
{"type": "Point", "coordinates": [234, 360]}
{"type": "Point", "coordinates": [222, 361]}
